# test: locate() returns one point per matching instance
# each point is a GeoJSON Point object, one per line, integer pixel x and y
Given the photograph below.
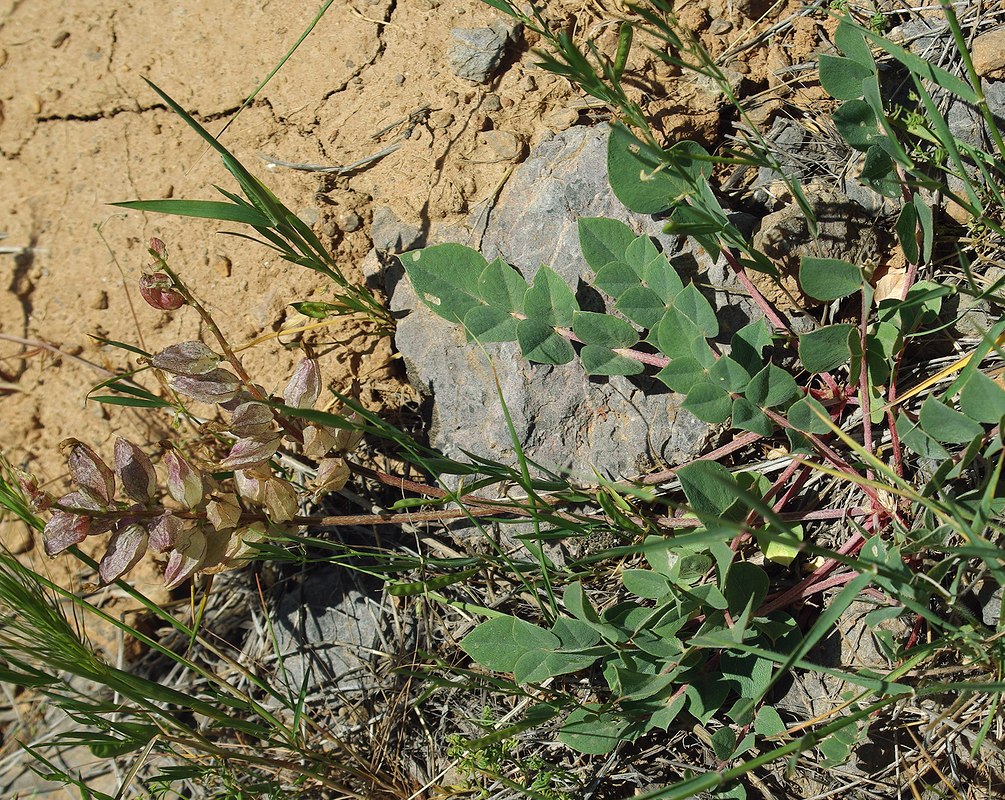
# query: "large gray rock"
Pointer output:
{"type": "Point", "coordinates": [564, 420]}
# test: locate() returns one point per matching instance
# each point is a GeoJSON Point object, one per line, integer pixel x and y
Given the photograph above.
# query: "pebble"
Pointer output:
{"type": "Point", "coordinates": [720, 27]}
{"type": "Point", "coordinates": [988, 53]}
{"type": "Point", "coordinates": [528, 84]}
{"type": "Point", "coordinates": [3, 56]}
{"type": "Point", "coordinates": [504, 144]}
{"type": "Point", "coordinates": [441, 119]}
{"type": "Point", "coordinates": [492, 102]}
{"type": "Point", "coordinates": [560, 119]}
{"type": "Point", "coordinates": [99, 301]}
{"type": "Point", "coordinates": [222, 266]}
{"type": "Point", "coordinates": [350, 221]}
{"type": "Point", "coordinates": [60, 39]}
{"type": "Point", "coordinates": [399, 79]}
{"type": "Point", "coordinates": [475, 53]}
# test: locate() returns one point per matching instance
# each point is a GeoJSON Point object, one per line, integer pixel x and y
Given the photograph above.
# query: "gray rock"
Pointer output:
{"type": "Point", "coordinates": [475, 53]}
{"type": "Point", "coordinates": [327, 629]}
{"type": "Point", "coordinates": [564, 420]}
{"type": "Point", "coordinates": [390, 235]}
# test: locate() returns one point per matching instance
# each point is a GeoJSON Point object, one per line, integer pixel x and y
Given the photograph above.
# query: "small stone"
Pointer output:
{"type": "Point", "coordinates": [988, 54]}
{"type": "Point", "coordinates": [100, 301]}
{"type": "Point", "coordinates": [720, 27]}
{"type": "Point", "coordinates": [504, 145]}
{"type": "Point", "coordinates": [560, 119]}
{"type": "Point", "coordinates": [3, 56]}
{"type": "Point", "coordinates": [60, 39]}
{"type": "Point", "coordinates": [391, 235]}
{"type": "Point", "coordinates": [475, 53]}
{"type": "Point", "coordinates": [309, 216]}
{"type": "Point", "coordinates": [350, 221]}
{"type": "Point", "coordinates": [528, 84]}
{"type": "Point", "coordinates": [441, 119]}
{"type": "Point", "coordinates": [222, 266]}
{"type": "Point", "coordinates": [492, 103]}
{"type": "Point", "coordinates": [399, 79]}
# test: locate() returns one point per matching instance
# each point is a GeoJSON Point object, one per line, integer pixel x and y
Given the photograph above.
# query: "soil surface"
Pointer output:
{"type": "Point", "coordinates": [80, 128]}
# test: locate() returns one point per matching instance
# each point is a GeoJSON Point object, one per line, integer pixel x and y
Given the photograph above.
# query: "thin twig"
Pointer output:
{"type": "Point", "coordinates": [332, 170]}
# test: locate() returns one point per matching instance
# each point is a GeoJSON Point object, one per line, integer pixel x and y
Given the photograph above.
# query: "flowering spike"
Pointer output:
{"type": "Point", "coordinates": [157, 289]}
{"type": "Point", "coordinates": [91, 474]}
{"type": "Point", "coordinates": [215, 386]}
{"type": "Point", "coordinates": [251, 452]}
{"type": "Point", "coordinates": [304, 387]}
{"type": "Point", "coordinates": [186, 358]}
{"type": "Point", "coordinates": [251, 419]}
{"type": "Point", "coordinates": [163, 532]}
{"type": "Point", "coordinates": [125, 548]}
{"type": "Point", "coordinates": [64, 530]}
{"type": "Point", "coordinates": [185, 558]}
{"type": "Point", "coordinates": [134, 470]}
{"type": "Point", "coordinates": [183, 481]}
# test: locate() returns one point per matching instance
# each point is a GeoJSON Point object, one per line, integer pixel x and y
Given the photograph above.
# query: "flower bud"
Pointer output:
{"type": "Point", "coordinates": [185, 558]}
{"type": "Point", "coordinates": [250, 485]}
{"type": "Point", "coordinates": [251, 452]}
{"type": "Point", "coordinates": [64, 530]}
{"type": "Point", "coordinates": [240, 550]}
{"type": "Point", "coordinates": [215, 386]}
{"type": "Point", "coordinates": [134, 470]}
{"type": "Point", "coordinates": [333, 474]}
{"type": "Point", "coordinates": [318, 440]}
{"type": "Point", "coordinates": [280, 500]}
{"type": "Point", "coordinates": [186, 358]}
{"type": "Point", "coordinates": [91, 474]}
{"type": "Point", "coordinates": [251, 419]}
{"type": "Point", "coordinates": [184, 483]}
{"type": "Point", "coordinates": [158, 290]}
{"type": "Point", "coordinates": [158, 249]}
{"type": "Point", "coordinates": [163, 532]}
{"type": "Point", "coordinates": [38, 499]}
{"type": "Point", "coordinates": [223, 512]}
{"type": "Point", "coordinates": [125, 548]}
{"type": "Point", "coordinates": [347, 438]}
{"type": "Point", "coordinates": [304, 387]}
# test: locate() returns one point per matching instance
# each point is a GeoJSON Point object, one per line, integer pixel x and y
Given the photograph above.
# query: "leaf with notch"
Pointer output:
{"type": "Point", "coordinates": [641, 305]}
{"type": "Point", "coordinates": [729, 375]}
{"type": "Point", "coordinates": [603, 329]}
{"type": "Point", "coordinates": [616, 278]}
{"type": "Point", "coordinates": [549, 300]}
{"type": "Point", "coordinates": [498, 644]}
{"type": "Point", "coordinates": [748, 343]}
{"type": "Point", "coordinates": [682, 374]}
{"type": "Point", "coordinates": [804, 416]}
{"type": "Point", "coordinates": [674, 335]}
{"type": "Point", "coordinates": [856, 122]}
{"type": "Point", "coordinates": [747, 417]}
{"type": "Point", "coordinates": [826, 348]}
{"type": "Point", "coordinates": [490, 324]}
{"type": "Point", "coordinates": [445, 278]}
{"type": "Point", "coordinates": [693, 305]}
{"type": "Point", "coordinates": [771, 387]}
{"type": "Point", "coordinates": [828, 278]}
{"type": "Point", "coordinates": [640, 254]}
{"type": "Point", "coordinates": [982, 399]}
{"type": "Point", "coordinates": [709, 488]}
{"type": "Point", "coordinates": [842, 77]}
{"type": "Point", "coordinates": [662, 278]}
{"type": "Point", "coordinates": [604, 240]}
{"type": "Point", "coordinates": [602, 361]}
{"type": "Point", "coordinates": [945, 424]}
{"type": "Point", "coordinates": [708, 402]}
{"type": "Point", "coordinates": [501, 286]}
{"type": "Point", "coordinates": [540, 343]}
